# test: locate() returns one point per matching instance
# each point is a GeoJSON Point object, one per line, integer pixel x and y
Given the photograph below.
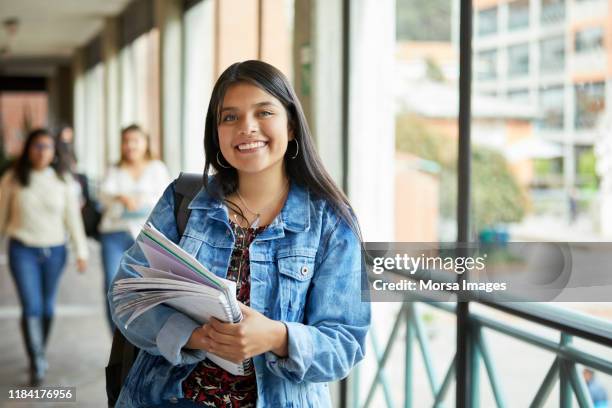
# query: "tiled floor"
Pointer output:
{"type": "Point", "coordinates": [79, 344]}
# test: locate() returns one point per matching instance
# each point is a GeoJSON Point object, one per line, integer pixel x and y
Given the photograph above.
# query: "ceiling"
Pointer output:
{"type": "Point", "coordinates": [49, 31]}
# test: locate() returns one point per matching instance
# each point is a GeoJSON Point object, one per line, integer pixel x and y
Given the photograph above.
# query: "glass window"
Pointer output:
{"type": "Point", "coordinates": [553, 11]}
{"type": "Point", "coordinates": [426, 129]}
{"type": "Point", "coordinates": [518, 95]}
{"type": "Point", "coordinates": [518, 14]}
{"type": "Point", "coordinates": [92, 156]}
{"type": "Point", "coordinates": [518, 60]}
{"type": "Point", "coordinates": [585, 165]}
{"type": "Point", "coordinates": [552, 54]}
{"type": "Point", "coordinates": [487, 21]}
{"type": "Point", "coordinates": [589, 39]}
{"type": "Point", "coordinates": [419, 21]}
{"type": "Point", "coordinates": [551, 107]}
{"type": "Point", "coordinates": [139, 68]}
{"type": "Point", "coordinates": [486, 65]}
{"type": "Point", "coordinates": [89, 137]}
{"type": "Point", "coordinates": [590, 103]}
{"type": "Point", "coordinates": [20, 112]}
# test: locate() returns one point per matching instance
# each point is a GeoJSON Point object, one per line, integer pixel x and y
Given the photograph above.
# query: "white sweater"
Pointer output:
{"type": "Point", "coordinates": [40, 214]}
{"type": "Point", "coordinates": [147, 190]}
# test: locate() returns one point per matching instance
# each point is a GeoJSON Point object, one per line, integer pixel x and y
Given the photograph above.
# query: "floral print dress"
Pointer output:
{"type": "Point", "coordinates": [208, 384]}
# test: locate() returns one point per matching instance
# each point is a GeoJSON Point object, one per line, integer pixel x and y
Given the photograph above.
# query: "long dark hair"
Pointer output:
{"type": "Point", "coordinates": [306, 169]}
{"type": "Point", "coordinates": [23, 166]}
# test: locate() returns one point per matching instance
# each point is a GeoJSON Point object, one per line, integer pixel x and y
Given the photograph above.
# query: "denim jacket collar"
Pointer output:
{"type": "Point", "coordinates": [294, 217]}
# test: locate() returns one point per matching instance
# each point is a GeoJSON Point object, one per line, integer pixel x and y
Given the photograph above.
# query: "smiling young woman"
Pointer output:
{"type": "Point", "coordinates": [270, 218]}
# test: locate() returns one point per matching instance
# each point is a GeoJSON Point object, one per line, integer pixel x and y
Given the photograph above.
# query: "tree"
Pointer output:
{"type": "Point", "coordinates": [423, 20]}
{"type": "Point", "coordinates": [497, 198]}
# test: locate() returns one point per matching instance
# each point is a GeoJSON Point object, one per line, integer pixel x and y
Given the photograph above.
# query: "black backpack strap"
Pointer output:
{"type": "Point", "coordinates": [186, 188]}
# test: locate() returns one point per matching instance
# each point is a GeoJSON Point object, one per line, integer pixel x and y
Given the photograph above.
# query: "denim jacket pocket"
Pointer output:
{"type": "Point", "coordinates": [190, 245]}
{"type": "Point", "coordinates": [296, 270]}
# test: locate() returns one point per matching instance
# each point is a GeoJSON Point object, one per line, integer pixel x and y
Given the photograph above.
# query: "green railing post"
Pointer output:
{"type": "Point", "coordinates": [355, 386]}
{"type": "Point", "coordinates": [565, 387]}
{"type": "Point", "coordinates": [423, 342]}
{"type": "Point", "coordinates": [563, 369]}
{"type": "Point", "coordinates": [490, 367]}
{"type": "Point", "coordinates": [450, 373]}
{"type": "Point", "coordinates": [580, 388]}
{"type": "Point", "coordinates": [379, 376]}
{"type": "Point", "coordinates": [474, 382]}
{"type": "Point", "coordinates": [409, 315]}
{"type": "Point", "coordinates": [547, 385]}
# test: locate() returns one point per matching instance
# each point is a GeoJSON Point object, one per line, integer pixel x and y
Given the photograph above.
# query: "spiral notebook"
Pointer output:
{"type": "Point", "coordinates": [177, 279]}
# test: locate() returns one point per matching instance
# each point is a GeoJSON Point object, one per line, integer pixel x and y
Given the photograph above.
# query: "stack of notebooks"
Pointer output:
{"type": "Point", "coordinates": [178, 280]}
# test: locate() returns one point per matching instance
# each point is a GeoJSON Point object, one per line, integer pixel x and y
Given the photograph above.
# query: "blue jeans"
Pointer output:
{"type": "Point", "coordinates": [114, 244]}
{"type": "Point", "coordinates": [36, 272]}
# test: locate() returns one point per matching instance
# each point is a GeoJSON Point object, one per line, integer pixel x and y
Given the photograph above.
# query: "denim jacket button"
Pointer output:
{"type": "Point", "coordinates": [304, 270]}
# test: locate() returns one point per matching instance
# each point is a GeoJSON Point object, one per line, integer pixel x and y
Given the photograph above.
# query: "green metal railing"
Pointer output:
{"type": "Point", "coordinates": [563, 369]}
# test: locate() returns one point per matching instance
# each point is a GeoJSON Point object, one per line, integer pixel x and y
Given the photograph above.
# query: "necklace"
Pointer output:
{"type": "Point", "coordinates": [257, 215]}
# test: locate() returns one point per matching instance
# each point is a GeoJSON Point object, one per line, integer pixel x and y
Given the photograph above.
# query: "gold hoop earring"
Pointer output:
{"type": "Point", "coordinates": [297, 149]}
{"type": "Point", "coordinates": [221, 164]}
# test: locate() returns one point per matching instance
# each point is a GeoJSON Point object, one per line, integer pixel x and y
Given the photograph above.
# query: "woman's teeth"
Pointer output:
{"type": "Point", "coordinates": [252, 145]}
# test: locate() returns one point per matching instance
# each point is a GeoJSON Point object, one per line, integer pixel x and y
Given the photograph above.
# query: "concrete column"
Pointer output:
{"type": "Point", "coordinates": [199, 66]}
{"type": "Point", "coordinates": [302, 56]}
{"type": "Point", "coordinates": [110, 56]}
{"type": "Point", "coordinates": [78, 79]}
{"type": "Point", "coordinates": [168, 18]}
{"type": "Point", "coordinates": [327, 84]}
{"type": "Point", "coordinates": [371, 117]}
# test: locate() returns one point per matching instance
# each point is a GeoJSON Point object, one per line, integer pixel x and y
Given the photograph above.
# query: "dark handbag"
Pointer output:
{"type": "Point", "coordinates": [123, 353]}
{"type": "Point", "coordinates": [91, 218]}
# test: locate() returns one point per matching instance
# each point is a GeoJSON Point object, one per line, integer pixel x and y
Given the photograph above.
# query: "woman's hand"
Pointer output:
{"type": "Point", "coordinates": [254, 335]}
{"type": "Point", "coordinates": [130, 203]}
{"type": "Point", "coordinates": [81, 265]}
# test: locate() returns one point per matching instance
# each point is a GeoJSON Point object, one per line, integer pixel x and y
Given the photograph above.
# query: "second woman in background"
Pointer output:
{"type": "Point", "coordinates": [38, 208]}
{"type": "Point", "coordinates": [127, 194]}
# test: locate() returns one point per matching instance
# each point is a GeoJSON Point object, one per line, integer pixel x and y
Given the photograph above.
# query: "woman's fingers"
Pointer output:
{"type": "Point", "coordinates": [219, 337]}
{"type": "Point", "coordinates": [232, 353]}
{"type": "Point", "coordinates": [231, 329]}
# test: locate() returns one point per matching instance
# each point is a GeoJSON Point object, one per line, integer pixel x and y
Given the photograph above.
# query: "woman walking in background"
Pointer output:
{"type": "Point", "coordinates": [128, 193]}
{"type": "Point", "coordinates": [37, 208]}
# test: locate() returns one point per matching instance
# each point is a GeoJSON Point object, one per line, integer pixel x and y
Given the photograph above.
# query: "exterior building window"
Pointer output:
{"type": "Point", "coordinates": [518, 95]}
{"type": "Point", "coordinates": [553, 11]}
{"type": "Point", "coordinates": [551, 105]}
{"type": "Point", "coordinates": [552, 54]}
{"type": "Point", "coordinates": [518, 14]}
{"type": "Point", "coordinates": [487, 21]}
{"type": "Point", "coordinates": [590, 104]}
{"type": "Point", "coordinates": [487, 65]}
{"type": "Point", "coordinates": [518, 60]}
{"type": "Point", "coordinates": [588, 40]}
{"type": "Point", "coordinates": [585, 165]}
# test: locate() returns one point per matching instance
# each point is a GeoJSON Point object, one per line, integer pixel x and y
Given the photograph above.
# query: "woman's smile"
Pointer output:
{"type": "Point", "coordinates": [251, 147]}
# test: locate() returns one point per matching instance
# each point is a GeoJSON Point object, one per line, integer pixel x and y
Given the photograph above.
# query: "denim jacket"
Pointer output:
{"type": "Point", "coordinates": [305, 271]}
